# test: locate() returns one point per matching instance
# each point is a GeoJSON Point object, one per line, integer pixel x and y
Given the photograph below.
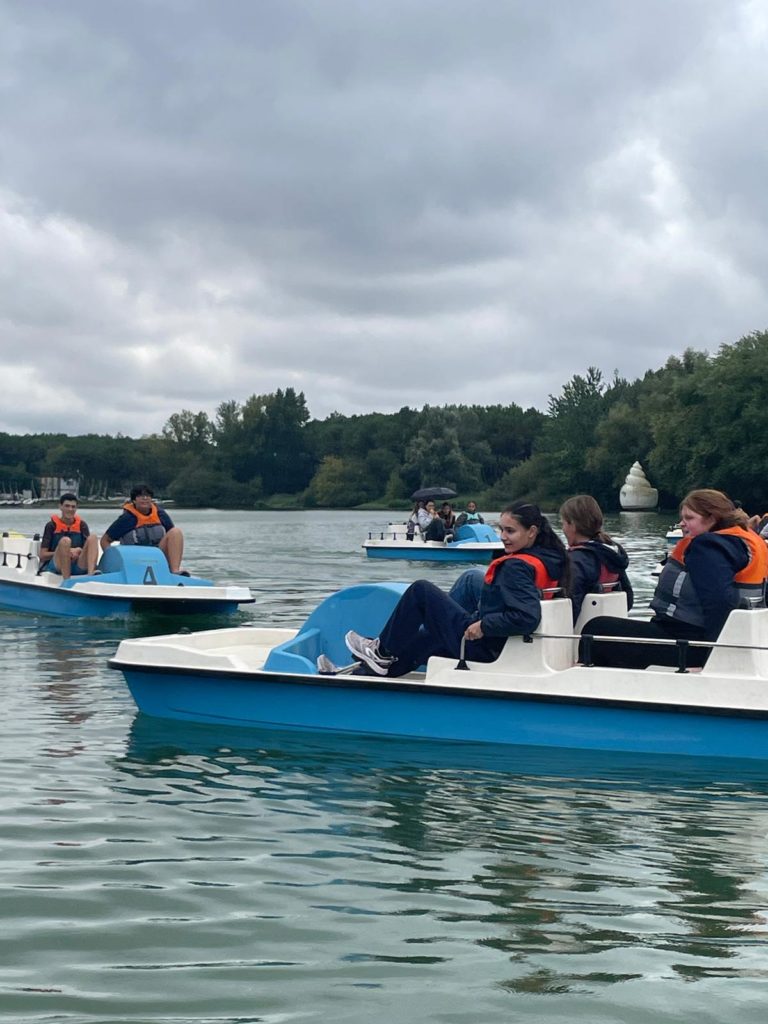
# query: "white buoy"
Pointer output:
{"type": "Point", "coordinates": [637, 495]}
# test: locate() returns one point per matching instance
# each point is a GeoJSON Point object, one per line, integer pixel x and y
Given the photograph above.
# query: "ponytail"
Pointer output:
{"type": "Point", "coordinates": [583, 512]}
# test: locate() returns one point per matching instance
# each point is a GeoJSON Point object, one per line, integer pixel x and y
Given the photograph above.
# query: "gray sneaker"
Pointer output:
{"type": "Point", "coordinates": [367, 650]}
{"type": "Point", "coordinates": [325, 666]}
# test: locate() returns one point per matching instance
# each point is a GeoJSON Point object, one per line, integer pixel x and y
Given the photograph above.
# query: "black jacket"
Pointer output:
{"type": "Point", "coordinates": [510, 604]}
{"type": "Point", "coordinates": [587, 561]}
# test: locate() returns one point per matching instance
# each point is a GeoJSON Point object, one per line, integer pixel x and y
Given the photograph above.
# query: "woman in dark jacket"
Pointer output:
{"type": "Point", "coordinates": [598, 563]}
{"type": "Point", "coordinates": [426, 621]}
{"type": "Point", "coordinates": [719, 565]}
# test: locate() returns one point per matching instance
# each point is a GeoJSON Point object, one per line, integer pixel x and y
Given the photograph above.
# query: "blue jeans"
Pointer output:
{"type": "Point", "coordinates": [467, 588]}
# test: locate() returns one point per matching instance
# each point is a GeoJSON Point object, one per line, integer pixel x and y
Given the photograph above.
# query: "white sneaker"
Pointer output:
{"type": "Point", "coordinates": [367, 650]}
{"type": "Point", "coordinates": [325, 666]}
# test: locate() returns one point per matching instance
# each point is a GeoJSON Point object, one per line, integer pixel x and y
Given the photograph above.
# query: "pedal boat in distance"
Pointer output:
{"type": "Point", "coordinates": [131, 579]}
{"type": "Point", "coordinates": [472, 542]}
{"type": "Point", "coordinates": [533, 695]}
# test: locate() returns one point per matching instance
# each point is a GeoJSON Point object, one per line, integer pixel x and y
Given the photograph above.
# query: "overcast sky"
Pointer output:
{"type": "Point", "coordinates": [378, 203]}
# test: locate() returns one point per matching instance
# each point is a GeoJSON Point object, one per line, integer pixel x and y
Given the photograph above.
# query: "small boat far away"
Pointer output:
{"type": "Point", "coordinates": [472, 542]}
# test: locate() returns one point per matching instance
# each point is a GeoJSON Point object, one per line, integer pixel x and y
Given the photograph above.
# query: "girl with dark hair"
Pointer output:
{"type": "Point", "coordinates": [719, 565]}
{"type": "Point", "coordinates": [426, 621]}
{"type": "Point", "coordinates": [448, 516]}
{"type": "Point", "coordinates": [597, 562]}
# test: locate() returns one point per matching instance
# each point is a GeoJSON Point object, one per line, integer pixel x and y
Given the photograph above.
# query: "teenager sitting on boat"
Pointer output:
{"type": "Point", "coordinates": [448, 516]}
{"type": "Point", "coordinates": [436, 527]}
{"type": "Point", "coordinates": [68, 548]}
{"type": "Point", "coordinates": [719, 565]}
{"type": "Point", "coordinates": [470, 515]}
{"type": "Point", "coordinates": [418, 520]}
{"type": "Point", "coordinates": [597, 562]}
{"type": "Point", "coordinates": [426, 621]}
{"type": "Point", "coordinates": [145, 523]}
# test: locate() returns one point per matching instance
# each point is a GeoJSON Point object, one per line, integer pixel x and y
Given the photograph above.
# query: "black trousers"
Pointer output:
{"type": "Point", "coordinates": [427, 621]}
{"type": "Point", "coordinates": [620, 655]}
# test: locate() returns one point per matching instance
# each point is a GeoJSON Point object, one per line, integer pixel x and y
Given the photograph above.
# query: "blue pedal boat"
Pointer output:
{"type": "Point", "coordinates": [533, 695]}
{"type": "Point", "coordinates": [131, 579]}
{"type": "Point", "coordinates": [472, 542]}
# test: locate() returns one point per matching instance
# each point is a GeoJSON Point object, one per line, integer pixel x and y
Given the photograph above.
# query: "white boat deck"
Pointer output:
{"type": "Point", "coordinates": [735, 676]}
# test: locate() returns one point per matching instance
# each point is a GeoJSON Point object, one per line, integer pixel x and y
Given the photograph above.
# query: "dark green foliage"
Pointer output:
{"type": "Point", "coordinates": [699, 421]}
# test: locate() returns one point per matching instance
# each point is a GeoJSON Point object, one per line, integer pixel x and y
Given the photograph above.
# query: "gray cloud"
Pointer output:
{"type": "Point", "coordinates": [377, 204]}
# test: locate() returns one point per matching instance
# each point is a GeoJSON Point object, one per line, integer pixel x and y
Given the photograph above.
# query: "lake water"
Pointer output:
{"type": "Point", "coordinates": [154, 872]}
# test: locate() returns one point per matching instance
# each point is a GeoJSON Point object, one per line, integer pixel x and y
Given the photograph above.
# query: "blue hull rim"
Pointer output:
{"type": "Point", "coordinates": [434, 555]}
{"type": "Point", "coordinates": [69, 604]}
{"type": "Point", "coordinates": [389, 708]}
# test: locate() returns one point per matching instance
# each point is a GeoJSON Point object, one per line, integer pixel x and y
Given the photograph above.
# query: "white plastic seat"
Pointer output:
{"type": "Point", "coordinates": [747, 627]}
{"type": "Point", "coordinates": [541, 655]}
{"type": "Point", "coordinates": [612, 603]}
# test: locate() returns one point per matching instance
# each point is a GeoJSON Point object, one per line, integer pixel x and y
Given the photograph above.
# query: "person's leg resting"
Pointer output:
{"type": "Point", "coordinates": [62, 557]}
{"type": "Point", "coordinates": [467, 588]}
{"type": "Point", "coordinates": [89, 556]}
{"type": "Point", "coordinates": [444, 622]}
{"type": "Point", "coordinates": [635, 655]}
{"type": "Point", "coordinates": [172, 546]}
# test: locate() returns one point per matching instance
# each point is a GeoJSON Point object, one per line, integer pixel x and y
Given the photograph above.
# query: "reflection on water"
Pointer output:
{"type": "Point", "coordinates": [167, 872]}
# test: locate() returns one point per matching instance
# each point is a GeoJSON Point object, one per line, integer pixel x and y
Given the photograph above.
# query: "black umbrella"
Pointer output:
{"type": "Point", "coordinates": [433, 494]}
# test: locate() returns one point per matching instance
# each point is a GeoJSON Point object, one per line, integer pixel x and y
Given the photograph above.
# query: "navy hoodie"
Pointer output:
{"type": "Point", "coordinates": [510, 605]}
{"type": "Point", "coordinates": [586, 562]}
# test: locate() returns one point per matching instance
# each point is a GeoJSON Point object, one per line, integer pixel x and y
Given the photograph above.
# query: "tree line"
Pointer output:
{"type": "Point", "coordinates": [695, 422]}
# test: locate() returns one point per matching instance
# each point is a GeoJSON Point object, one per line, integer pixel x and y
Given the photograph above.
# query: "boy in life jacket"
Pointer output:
{"type": "Point", "coordinates": [67, 547]}
{"type": "Point", "coordinates": [145, 523]}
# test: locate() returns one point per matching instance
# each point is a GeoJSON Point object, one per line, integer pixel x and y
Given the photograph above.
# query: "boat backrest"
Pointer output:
{"type": "Point", "coordinates": [19, 553]}
{"type": "Point", "coordinates": [364, 608]}
{"type": "Point", "coordinates": [549, 649]}
{"type": "Point", "coordinates": [477, 532]}
{"type": "Point", "coordinates": [612, 603]}
{"type": "Point", "coordinates": [542, 653]}
{"type": "Point", "coordinates": [747, 629]}
{"type": "Point", "coordinates": [140, 564]}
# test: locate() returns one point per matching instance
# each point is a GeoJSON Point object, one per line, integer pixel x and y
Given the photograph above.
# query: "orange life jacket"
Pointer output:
{"type": "Point", "coordinates": [61, 527]}
{"type": "Point", "coordinates": [150, 519]}
{"type": "Point", "coordinates": [73, 530]}
{"type": "Point", "coordinates": [756, 570]}
{"type": "Point", "coordinates": [148, 531]}
{"type": "Point", "coordinates": [675, 597]}
{"type": "Point", "coordinates": [541, 576]}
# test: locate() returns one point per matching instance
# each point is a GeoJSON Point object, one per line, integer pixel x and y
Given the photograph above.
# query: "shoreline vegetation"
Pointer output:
{"type": "Point", "coordinates": [699, 421]}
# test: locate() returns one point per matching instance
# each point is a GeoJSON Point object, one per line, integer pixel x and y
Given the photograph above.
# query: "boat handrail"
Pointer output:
{"type": "Point", "coordinates": [672, 642]}
{"type": "Point", "coordinates": [682, 646]}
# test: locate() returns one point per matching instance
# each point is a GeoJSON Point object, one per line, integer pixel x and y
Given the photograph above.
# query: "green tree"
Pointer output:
{"type": "Point", "coordinates": [191, 431]}
{"type": "Point", "coordinates": [340, 483]}
{"type": "Point", "coordinates": [435, 455]}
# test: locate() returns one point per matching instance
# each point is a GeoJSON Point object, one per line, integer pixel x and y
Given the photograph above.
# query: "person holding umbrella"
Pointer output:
{"type": "Point", "coordinates": [424, 514]}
